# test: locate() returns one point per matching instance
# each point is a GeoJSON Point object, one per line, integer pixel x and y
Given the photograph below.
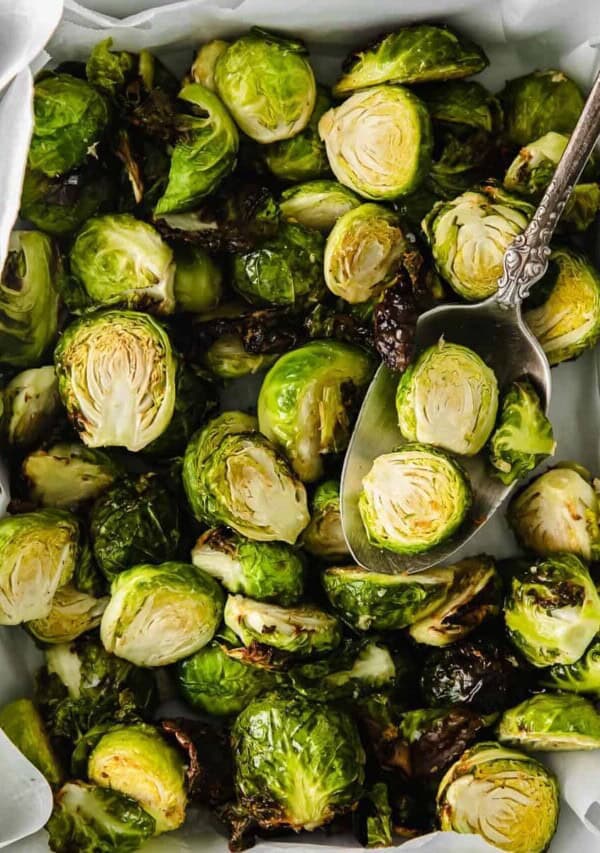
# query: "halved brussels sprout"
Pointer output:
{"type": "Point", "coordinates": [551, 722]}
{"type": "Point", "coordinates": [469, 236]}
{"type": "Point", "coordinates": [267, 84]}
{"type": "Point", "coordinates": [72, 613]}
{"type": "Point", "coordinates": [205, 63]}
{"type": "Point", "coordinates": [552, 610]}
{"type": "Point", "coordinates": [373, 823]}
{"type": "Point", "coordinates": [38, 554]}
{"type": "Point", "coordinates": [308, 401]}
{"type": "Point", "coordinates": [160, 614]}
{"type": "Point", "coordinates": [297, 763]}
{"type": "Point", "coordinates": [583, 676]}
{"type": "Point", "coordinates": [266, 571]}
{"type": "Point", "coordinates": [227, 358]}
{"type": "Point", "coordinates": [317, 204]}
{"type": "Point", "coordinates": [285, 270]}
{"type": "Point", "coordinates": [380, 602]}
{"type": "Point", "coordinates": [70, 117]}
{"type": "Point", "coordinates": [509, 799]}
{"type": "Point", "coordinates": [557, 512]}
{"type": "Point", "coordinates": [364, 252]}
{"type": "Point", "coordinates": [31, 406]}
{"type": "Point", "coordinates": [567, 322]}
{"type": "Point", "coordinates": [538, 103]}
{"type": "Point", "coordinates": [216, 683]}
{"type": "Point", "coordinates": [303, 630]}
{"type": "Point", "coordinates": [413, 499]}
{"type": "Point", "coordinates": [198, 283]}
{"type": "Point", "coordinates": [233, 475]}
{"type": "Point", "coordinates": [324, 536]}
{"type": "Point", "coordinates": [67, 475]}
{"type": "Point", "coordinates": [463, 102]}
{"type": "Point", "coordinates": [120, 260]}
{"type": "Point", "coordinates": [448, 397]}
{"type": "Point", "coordinates": [302, 157]}
{"type": "Point", "coordinates": [136, 761]}
{"type": "Point", "coordinates": [28, 298]}
{"type": "Point", "coordinates": [523, 437]}
{"type": "Point", "coordinates": [22, 723]}
{"type": "Point", "coordinates": [116, 376]}
{"type": "Point", "coordinates": [379, 142]}
{"type": "Point", "coordinates": [88, 817]}
{"type": "Point", "coordinates": [414, 54]}
{"type": "Point", "coordinates": [205, 151]}
{"type": "Point", "coordinates": [474, 594]}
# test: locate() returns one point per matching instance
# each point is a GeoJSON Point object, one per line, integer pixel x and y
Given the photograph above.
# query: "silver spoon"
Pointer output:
{"type": "Point", "coordinates": [496, 331]}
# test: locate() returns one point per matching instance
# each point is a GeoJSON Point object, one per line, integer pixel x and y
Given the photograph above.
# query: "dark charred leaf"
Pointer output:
{"type": "Point", "coordinates": [241, 827]}
{"type": "Point", "coordinates": [325, 321]}
{"type": "Point", "coordinates": [394, 324]}
{"type": "Point", "coordinates": [208, 757]}
{"type": "Point", "coordinates": [442, 739]}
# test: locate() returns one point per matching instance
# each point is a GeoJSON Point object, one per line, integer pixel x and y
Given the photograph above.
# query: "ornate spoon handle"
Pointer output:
{"type": "Point", "coordinates": [526, 259]}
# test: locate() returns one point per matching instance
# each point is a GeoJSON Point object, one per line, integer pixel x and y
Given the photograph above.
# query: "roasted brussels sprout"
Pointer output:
{"type": "Point", "coordinates": [70, 117]}
{"type": "Point", "coordinates": [508, 798]}
{"type": "Point", "coordinates": [437, 737]}
{"type": "Point", "coordinates": [22, 724]}
{"type": "Point", "coordinates": [297, 763]}
{"type": "Point", "coordinates": [31, 406]}
{"type": "Point", "coordinates": [463, 102]}
{"type": "Point", "coordinates": [551, 722]}
{"type": "Point", "coordinates": [68, 475]}
{"type": "Point", "coordinates": [120, 260]}
{"type": "Point", "coordinates": [233, 475]}
{"type": "Point", "coordinates": [266, 571]}
{"type": "Point", "coordinates": [523, 437]}
{"type": "Point", "coordinates": [552, 610]}
{"type": "Point", "coordinates": [308, 401]}
{"type": "Point", "coordinates": [449, 398]}
{"type": "Point", "coordinates": [205, 63]}
{"type": "Point", "coordinates": [158, 615]}
{"type": "Point", "coordinates": [303, 630]}
{"type": "Point", "coordinates": [303, 157]}
{"type": "Point", "coordinates": [460, 163]}
{"type": "Point", "coordinates": [380, 602]}
{"type": "Point", "coordinates": [469, 236]}
{"type": "Point", "coordinates": [88, 817]}
{"type": "Point", "coordinates": [317, 204]}
{"type": "Point", "coordinates": [583, 676]}
{"type": "Point", "coordinates": [227, 358]}
{"type": "Point", "coordinates": [413, 499]}
{"type": "Point", "coordinates": [72, 613]}
{"type": "Point", "coordinates": [379, 142]}
{"type": "Point", "coordinates": [267, 84]}
{"type": "Point", "coordinates": [198, 280]}
{"type": "Point", "coordinates": [538, 103]}
{"type": "Point", "coordinates": [28, 298]}
{"type": "Point", "coordinates": [324, 536]}
{"type": "Point", "coordinates": [558, 512]}
{"type": "Point", "coordinates": [116, 376]}
{"type": "Point", "coordinates": [567, 322]}
{"type": "Point", "coordinates": [373, 824]}
{"type": "Point", "coordinates": [415, 54]}
{"type": "Point", "coordinates": [136, 761]}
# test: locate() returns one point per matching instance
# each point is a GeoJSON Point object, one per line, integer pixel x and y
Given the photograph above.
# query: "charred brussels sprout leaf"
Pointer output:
{"type": "Point", "coordinates": [205, 63]}
{"type": "Point", "coordinates": [464, 103]}
{"type": "Point", "coordinates": [302, 157]}
{"type": "Point", "coordinates": [198, 280]}
{"type": "Point", "coordinates": [583, 676]}
{"type": "Point", "coordinates": [551, 722]}
{"type": "Point", "coordinates": [297, 764]}
{"type": "Point", "coordinates": [68, 475]}
{"type": "Point", "coordinates": [317, 204]}
{"type": "Point", "coordinates": [31, 406]}
{"type": "Point", "coordinates": [436, 738]}
{"type": "Point", "coordinates": [373, 825]}
{"type": "Point", "coordinates": [538, 103]}
{"type": "Point", "coordinates": [72, 613]}
{"type": "Point", "coordinates": [22, 724]}
{"type": "Point", "coordinates": [324, 536]}
{"type": "Point", "coordinates": [206, 745]}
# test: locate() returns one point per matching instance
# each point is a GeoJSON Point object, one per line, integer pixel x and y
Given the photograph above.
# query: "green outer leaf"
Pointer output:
{"type": "Point", "coordinates": [549, 723]}
{"type": "Point", "coordinates": [463, 102]}
{"type": "Point", "coordinates": [583, 676]}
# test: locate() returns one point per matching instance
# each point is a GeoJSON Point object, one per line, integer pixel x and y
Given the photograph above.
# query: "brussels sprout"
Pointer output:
{"type": "Point", "coordinates": [308, 401]}
{"type": "Point", "coordinates": [568, 321]}
{"type": "Point", "coordinates": [120, 260]}
{"type": "Point", "coordinates": [285, 270]}
{"type": "Point", "coordinates": [449, 398]}
{"type": "Point", "coordinates": [538, 103]}
{"type": "Point", "coordinates": [67, 475]}
{"type": "Point", "coordinates": [136, 761]}
{"type": "Point", "coordinates": [135, 521]}
{"type": "Point", "coordinates": [205, 63]}
{"type": "Point", "coordinates": [523, 437]}
{"type": "Point", "coordinates": [436, 738]}
{"type": "Point", "coordinates": [195, 397]}
{"type": "Point", "coordinates": [72, 614]}
{"type": "Point", "coordinates": [364, 253]}
{"type": "Point", "coordinates": [583, 676]}
{"type": "Point", "coordinates": [324, 536]}
{"type": "Point", "coordinates": [267, 84]}
{"type": "Point", "coordinates": [469, 236]}
{"type": "Point", "coordinates": [380, 602]}
{"type": "Point", "coordinates": [88, 817]}
{"type": "Point", "coordinates": [109, 70]}
{"type": "Point", "coordinates": [462, 162]}
{"type": "Point", "coordinates": [227, 358]}
{"type": "Point", "coordinates": [549, 723]}
{"type": "Point", "coordinates": [558, 511]}
{"type": "Point", "coordinates": [373, 824]}
{"type": "Point", "coordinates": [480, 673]}
{"type": "Point", "coordinates": [509, 799]}
{"type": "Point", "coordinates": [160, 614]}
{"type": "Point", "coordinates": [552, 610]}
{"type": "Point", "coordinates": [266, 571]}
{"type": "Point", "coordinates": [22, 724]}
{"type": "Point", "coordinates": [303, 630]}
{"type": "Point", "coordinates": [474, 594]}
{"type": "Point", "coordinates": [70, 117]}
{"type": "Point", "coordinates": [31, 406]}
{"type": "Point", "coordinates": [413, 499]}
{"type": "Point", "coordinates": [233, 475]}
{"type": "Point", "coordinates": [317, 204]}
{"type": "Point", "coordinates": [213, 682]}
{"type": "Point", "coordinates": [463, 102]}
{"type": "Point", "coordinates": [198, 280]}
{"type": "Point", "coordinates": [298, 763]}
{"type": "Point", "coordinates": [116, 376]}
{"type": "Point", "coordinates": [302, 157]}
{"type": "Point", "coordinates": [28, 298]}
{"type": "Point", "coordinates": [379, 142]}
{"type": "Point", "coordinates": [414, 54]}
{"type": "Point", "coordinates": [38, 555]}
